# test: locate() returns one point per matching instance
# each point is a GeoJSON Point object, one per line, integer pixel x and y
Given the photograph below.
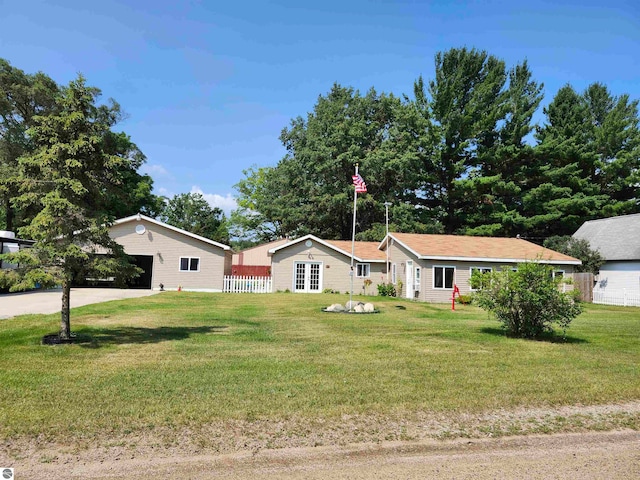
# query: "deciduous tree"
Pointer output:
{"type": "Point", "coordinates": [191, 212]}
{"type": "Point", "coordinates": [22, 97]}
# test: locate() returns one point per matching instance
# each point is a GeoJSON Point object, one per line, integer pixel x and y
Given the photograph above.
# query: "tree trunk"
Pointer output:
{"type": "Point", "coordinates": [65, 324]}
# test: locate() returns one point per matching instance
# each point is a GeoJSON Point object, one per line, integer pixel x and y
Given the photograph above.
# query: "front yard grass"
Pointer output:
{"type": "Point", "coordinates": [181, 360]}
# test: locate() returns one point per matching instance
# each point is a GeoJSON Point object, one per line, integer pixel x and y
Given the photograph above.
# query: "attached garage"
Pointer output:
{"type": "Point", "coordinates": [144, 281]}
{"type": "Point", "coordinates": [171, 256]}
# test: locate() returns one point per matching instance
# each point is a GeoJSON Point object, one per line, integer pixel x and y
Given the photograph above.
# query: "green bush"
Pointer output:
{"type": "Point", "coordinates": [528, 301]}
{"type": "Point", "coordinates": [386, 290]}
{"type": "Point", "coordinates": [464, 299]}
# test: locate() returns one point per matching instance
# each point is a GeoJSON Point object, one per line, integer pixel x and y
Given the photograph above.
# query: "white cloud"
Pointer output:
{"type": "Point", "coordinates": [225, 203]}
{"type": "Point", "coordinates": [151, 170]}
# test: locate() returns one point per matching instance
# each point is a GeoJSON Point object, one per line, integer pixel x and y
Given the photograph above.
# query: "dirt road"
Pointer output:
{"type": "Point", "coordinates": [610, 455]}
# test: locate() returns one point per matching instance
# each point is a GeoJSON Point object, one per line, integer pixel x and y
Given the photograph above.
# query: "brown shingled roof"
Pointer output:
{"type": "Point", "coordinates": [363, 250]}
{"type": "Point", "coordinates": [459, 246]}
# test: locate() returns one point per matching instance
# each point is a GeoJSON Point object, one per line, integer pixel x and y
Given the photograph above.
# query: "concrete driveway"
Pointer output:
{"type": "Point", "coordinates": [50, 301]}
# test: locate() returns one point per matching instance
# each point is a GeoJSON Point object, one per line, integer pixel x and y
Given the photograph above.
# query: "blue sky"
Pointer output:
{"type": "Point", "coordinates": [209, 85]}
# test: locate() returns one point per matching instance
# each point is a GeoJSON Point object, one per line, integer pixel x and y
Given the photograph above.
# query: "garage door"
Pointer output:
{"type": "Point", "coordinates": [145, 262]}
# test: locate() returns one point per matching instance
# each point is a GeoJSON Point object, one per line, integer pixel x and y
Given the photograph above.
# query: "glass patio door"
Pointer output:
{"type": "Point", "coordinates": [307, 277]}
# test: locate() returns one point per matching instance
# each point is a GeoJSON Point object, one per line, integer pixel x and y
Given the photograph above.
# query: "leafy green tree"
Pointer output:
{"type": "Point", "coordinates": [261, 213]}
{"type": "Point", "coordinates": [135, 193]}
{"type": "Point", "coordinates": [528, 301]}
{"type": "Point", "coordinates": [578, 248]}
{"type": "Point", "coordinates": [310, 190]}
{"type": "Point", "coordinates": [191, 212]}
{"type": "Point", "coordinates": [22, 98]}
{"type": "Point", "coordinates": [72, 174]}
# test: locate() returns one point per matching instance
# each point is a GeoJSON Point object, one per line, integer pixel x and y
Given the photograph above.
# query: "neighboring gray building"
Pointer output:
{"type": "Point", "coordinates": [618, 241]}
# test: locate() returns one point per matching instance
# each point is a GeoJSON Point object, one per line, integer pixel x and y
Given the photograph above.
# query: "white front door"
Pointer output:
{"type": "Point", "coordinates": [307, 277]}
{"type": "Point", "coordinates": [409, 278]}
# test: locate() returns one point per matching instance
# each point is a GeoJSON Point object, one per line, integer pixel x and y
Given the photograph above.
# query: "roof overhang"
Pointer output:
{"type": "Point", "coordinates": [499, 260]}
{"type": "Point", "coordinates": [138, 217]}
{"type": "Point", "coordinates": [326, 244]}
{"type": "Point", "coordinates": [452, 258]}
{"type": "Point", "coordinates": [19, 241]}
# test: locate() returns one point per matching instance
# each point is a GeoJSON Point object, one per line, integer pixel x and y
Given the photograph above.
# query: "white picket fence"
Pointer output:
{"type": "Point", "coordinates": [624, 298]}
{"type": "Point", "coordinates": [243, 284]}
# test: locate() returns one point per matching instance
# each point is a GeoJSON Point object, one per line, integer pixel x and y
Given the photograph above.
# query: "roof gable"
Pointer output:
{"type": "Point", "coordinates": [364, 251]}
{"type": "Point", "coordinates": [616, 238]}
{"type": "Point", "coordinates": [471, 248]}
{"type": "Point", "coordinates": [139, 217]}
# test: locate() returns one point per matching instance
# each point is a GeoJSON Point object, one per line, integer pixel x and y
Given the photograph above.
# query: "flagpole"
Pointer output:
{"type": "Point", "coordinates": [353, 242]}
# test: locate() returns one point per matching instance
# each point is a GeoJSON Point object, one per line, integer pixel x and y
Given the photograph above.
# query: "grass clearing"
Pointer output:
{"type": "Point", "coordinates": [183, 360]}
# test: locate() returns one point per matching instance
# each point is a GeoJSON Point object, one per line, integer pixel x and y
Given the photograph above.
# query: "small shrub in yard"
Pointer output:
{"type": "Point", "coordinates": [464, 299]}
{"type": "Point", "coordinates": [386, 290]}
{"type": "Point", "coordinates": [528, 301]}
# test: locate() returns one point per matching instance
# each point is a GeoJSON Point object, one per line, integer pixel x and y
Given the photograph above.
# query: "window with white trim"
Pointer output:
{"type": "Point", "coordinates": [480, 270]}
{"type": "Point", "coordinates": [558, 274]}
{"type": "Point", "coordinates": [417, 275]}
{"type": "Point", "coordinates": [363, 270]}
{"type": "Point", "coordinates": [443, 277]}
{"type": "Point", "coordinates": [189, 264]}
{"type": "Point", "coordinates": [393, 273]}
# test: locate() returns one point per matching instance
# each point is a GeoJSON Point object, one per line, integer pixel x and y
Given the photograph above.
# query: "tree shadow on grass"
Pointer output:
{"type": "Point", "coordinates": [547, 337]}
{"type": "Point", "coordinates": [98, 337]}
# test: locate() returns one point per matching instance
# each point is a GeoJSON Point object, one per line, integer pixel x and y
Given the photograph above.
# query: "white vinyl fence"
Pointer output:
{"type": "Point", "coordinates": [243, 284]}
{"type": "Point", "coordinates": [624, 298]}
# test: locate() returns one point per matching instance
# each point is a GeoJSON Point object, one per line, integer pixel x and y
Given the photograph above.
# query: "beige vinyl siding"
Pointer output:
{"type": "Point", "coordinates": [258, 255]}
{"type": "Point", "coordinates": [167, 246]}
{"type": "Point", "coordinates": [335, 269]}
{"type": "Point", "coordinates": [399, 255]}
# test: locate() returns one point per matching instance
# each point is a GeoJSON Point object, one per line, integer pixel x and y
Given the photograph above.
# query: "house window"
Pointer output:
{"type": "Point", "coordinates": [418, 274]}
{"type": "Point", "coordinates": [189, 264]}
{"type": "Point", "coordinates": [443, 277]}
{"type": "Point", "coordinates": [558, 274]}
{"type": "Point", "coordinates": [363, 269]}
{"type": "Point", "coordinates": [393, 273]}
{"type": "Point", "coordinates": [480, 270]}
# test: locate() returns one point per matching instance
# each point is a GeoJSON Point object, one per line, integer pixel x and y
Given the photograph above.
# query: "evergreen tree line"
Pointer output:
{"type": "Point", "coordinates": [460, 156]}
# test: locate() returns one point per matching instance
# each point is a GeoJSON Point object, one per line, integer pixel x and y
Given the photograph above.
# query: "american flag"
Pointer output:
{"type": "Point", "coordinates": [358, 182]}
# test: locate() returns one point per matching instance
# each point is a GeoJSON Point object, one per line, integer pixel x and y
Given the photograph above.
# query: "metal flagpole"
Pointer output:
{"type": "Point", "coordinates": [353, 242]}
{"type": "Point", "coordinates": [386, 207]}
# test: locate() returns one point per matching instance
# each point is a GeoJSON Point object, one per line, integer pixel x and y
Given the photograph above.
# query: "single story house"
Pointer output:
{"type": "Point", "coordinates": [172, 256]}
{"type": "Point", "coordinates": [311, 265]}
{"type": "Point", "coordinates": [430, 265]}
{"type": "Point", "coordinates": [616, 239]}
{"type": "Point", "coordinates": [255, 261]}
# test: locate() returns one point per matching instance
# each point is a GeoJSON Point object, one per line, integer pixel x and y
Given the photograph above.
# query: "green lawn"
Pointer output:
{"type": "Point", "coordinates": [185, 359]}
